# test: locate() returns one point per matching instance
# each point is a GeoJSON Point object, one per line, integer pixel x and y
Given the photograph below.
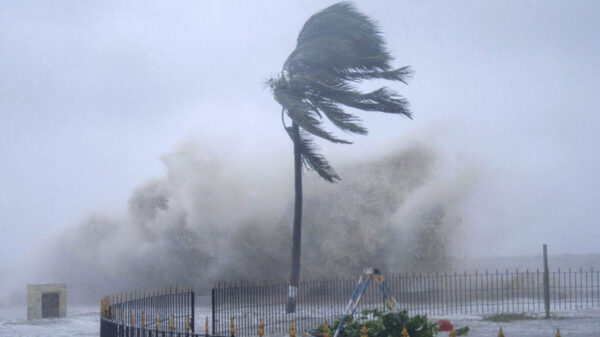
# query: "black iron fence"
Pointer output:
{"type": "Point", "coordinates": [439, 294]}
{"type": "Point", "coordinates": [158, 313]}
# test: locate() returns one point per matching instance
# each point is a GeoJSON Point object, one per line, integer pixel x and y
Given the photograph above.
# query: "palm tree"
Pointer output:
{"type": "Point", "coordinates": [337, 47]}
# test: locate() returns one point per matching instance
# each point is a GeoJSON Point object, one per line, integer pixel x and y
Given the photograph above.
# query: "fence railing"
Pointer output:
{"type": "Point", "coordinates": [438, 294]}
{"type": "Point", "coordinates": [165, 312]}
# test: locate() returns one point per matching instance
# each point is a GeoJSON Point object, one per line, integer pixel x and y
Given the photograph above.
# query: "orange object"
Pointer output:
{"type": "Point", "coordinates": [444, 324]}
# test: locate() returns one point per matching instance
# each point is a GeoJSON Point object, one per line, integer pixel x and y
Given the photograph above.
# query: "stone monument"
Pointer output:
{"type": "Point", "coordinates": [46, 300]}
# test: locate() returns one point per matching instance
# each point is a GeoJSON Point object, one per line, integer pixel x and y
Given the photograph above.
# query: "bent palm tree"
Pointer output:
{"type": "Point", "coordinates": [336, 47]}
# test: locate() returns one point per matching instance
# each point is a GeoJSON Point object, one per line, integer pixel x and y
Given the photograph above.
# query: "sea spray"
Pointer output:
{"type": "Point", "coordinates": [213, 219]}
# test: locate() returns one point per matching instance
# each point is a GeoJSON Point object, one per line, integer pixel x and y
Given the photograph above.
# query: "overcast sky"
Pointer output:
{"type": "Point", "coordinates": [93, 93]}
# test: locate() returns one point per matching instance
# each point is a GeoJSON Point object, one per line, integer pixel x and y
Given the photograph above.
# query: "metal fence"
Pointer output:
{"type": "Point", "coordinates": [158, 313]}
{"type": "Point", "coordinates": [439, 294]}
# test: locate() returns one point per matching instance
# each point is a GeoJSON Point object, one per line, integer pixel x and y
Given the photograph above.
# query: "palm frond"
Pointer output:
{"type": "Point", "coordinates": [337, 47]}
{"type": "Point", "coordinates": [344, 121]}
{"type": "Point", "coordinates": [302, 114]}
{"type": "Point", "coordinates": [351, 34]}
{"type": "Point", "coordinates": [382, 99]}
{"type": "Point", "coordinates": [312, 158]}
{"type": "Point", "coordinates": [400, 74]}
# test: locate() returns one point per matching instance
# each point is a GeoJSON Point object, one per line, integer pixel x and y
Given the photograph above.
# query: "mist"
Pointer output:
{"type": "Point", "coordinates": [211, 219]}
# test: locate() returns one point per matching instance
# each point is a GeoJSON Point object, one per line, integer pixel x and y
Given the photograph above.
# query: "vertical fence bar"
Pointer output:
{"type": "Point", "coordinates": [546, 283]}
{"type": "Point", "coordinates": [443, 292]}
{"type": "Point", "coordinates": [456, 294]}
{"type": "Point", "coordinates": [570, 291]}
{"type": "Point", "coordinates": [597, 287]}
{"type": "Point", "coordinates": [192, 301]}
{"type": "Point", "coordinates": [470, 308]}
{"type": "Point", "coordinates": [592, 284]}
{"type": "Point", "coordinates": [587, 284]}
{"type": "Point", "coordinates": [218, 314]}
{"type": "Point", "coordinates": [503, 291]}
{"type": "Point", "coordinates": [429, 294]}
{"type": "Point", "coordinates": [581, 301]}
{"type": "Point", "coordinates": [511, 290]}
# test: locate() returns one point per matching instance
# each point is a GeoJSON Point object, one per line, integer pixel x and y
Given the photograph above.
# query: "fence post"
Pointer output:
{"type": "Point", "coordinates": [212, 300]}
{"type": "Point", "coordinates": [546, 283]}
{"type": "Point", "coordinates": [193, 308]}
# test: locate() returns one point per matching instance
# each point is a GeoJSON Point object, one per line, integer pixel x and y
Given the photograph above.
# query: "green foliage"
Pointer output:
{"type": "Point", "coordinates": [462, 331]}
{"type": "Point", "coordinates": [385, 324]}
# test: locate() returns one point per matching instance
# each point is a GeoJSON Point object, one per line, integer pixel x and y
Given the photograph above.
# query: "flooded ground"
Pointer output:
{"type": "Point", "coordinates": [84, 321]}
{"type": "Point", "coordinates": [80, 321]}
{"type": "Point", "coordinates": [573, 324]}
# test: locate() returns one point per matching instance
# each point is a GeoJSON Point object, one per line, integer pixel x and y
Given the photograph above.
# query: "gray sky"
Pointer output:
{"type": "Point", "coordinates": [93, 93]}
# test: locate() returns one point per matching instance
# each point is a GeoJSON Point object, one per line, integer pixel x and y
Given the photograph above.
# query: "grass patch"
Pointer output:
{"type": "Point", "coordinates": [508, 317]}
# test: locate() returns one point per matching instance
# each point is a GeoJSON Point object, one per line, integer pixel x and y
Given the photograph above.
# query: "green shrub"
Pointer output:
{"type": "Point", "coordinates": [384, 324]}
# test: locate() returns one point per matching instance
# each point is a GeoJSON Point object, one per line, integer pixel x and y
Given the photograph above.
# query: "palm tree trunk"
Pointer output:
{"type": "Point", "coordinates": [297, 236]}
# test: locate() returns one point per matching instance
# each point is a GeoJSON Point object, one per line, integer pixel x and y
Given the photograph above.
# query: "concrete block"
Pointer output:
{"type": "Point", "coordinates": [46, 300]}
